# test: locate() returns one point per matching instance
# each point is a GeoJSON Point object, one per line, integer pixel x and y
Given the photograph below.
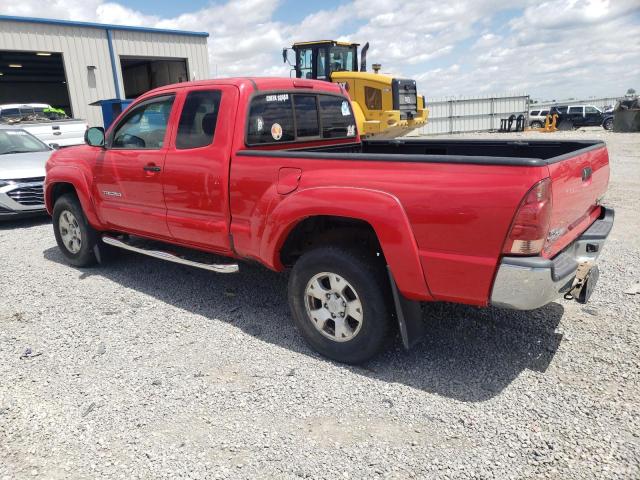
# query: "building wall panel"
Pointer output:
{"type": "Point", "coordinates": [83, 46]}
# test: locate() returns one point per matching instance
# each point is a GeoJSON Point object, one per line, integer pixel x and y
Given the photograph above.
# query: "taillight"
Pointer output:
{"type": "Point", "coordinates": [531, 223]}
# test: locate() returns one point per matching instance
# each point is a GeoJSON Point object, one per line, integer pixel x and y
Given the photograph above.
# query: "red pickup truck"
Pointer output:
{"type": "Point", "coordinates": [273, 170]}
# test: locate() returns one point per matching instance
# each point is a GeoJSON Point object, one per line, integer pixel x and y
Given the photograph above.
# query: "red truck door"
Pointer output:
{"type": "Point", "coordinates": [196, 173]}
{"type": "Point", "coordinates": [128, 173]}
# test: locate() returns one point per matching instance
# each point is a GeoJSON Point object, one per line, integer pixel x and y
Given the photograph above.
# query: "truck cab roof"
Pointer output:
{"type": "Point", "coordinates": [257, 84]}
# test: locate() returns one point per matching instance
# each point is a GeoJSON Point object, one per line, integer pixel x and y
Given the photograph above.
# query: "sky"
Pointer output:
{"type": "Point", "coordinates": [555, 49]}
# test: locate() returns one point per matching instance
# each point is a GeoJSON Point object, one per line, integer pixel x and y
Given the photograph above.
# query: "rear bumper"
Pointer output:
{"type": "Point", "coordinates": [526, 283]}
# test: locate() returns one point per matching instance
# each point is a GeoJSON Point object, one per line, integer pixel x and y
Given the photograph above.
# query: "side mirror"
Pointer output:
{"type": "Point", "coordinates": [285, 56]}
{"type": "Point", "coordinates": [94, 136]}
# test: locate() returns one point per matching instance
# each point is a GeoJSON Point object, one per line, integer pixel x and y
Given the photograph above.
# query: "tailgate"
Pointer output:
{"type": "Point", "coordinates": [62, 133]}
{"type": "Point", "coordinates": [579, 182]}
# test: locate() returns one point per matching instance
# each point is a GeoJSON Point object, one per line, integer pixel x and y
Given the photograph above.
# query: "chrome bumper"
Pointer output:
{"type": "Point", "coordinates": [526, 283]}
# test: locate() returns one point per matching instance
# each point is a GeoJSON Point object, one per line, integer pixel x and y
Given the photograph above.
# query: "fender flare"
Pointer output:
{"type": "Point", "coordinates": [388, 219]}
{"type": "Point", "coordinates": [76, 177]}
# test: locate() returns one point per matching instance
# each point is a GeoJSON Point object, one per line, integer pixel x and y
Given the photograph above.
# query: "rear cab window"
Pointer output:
{"type": "Point", "coordinates": [198, 119]}
{"type": "Point", "coordinates": [286, 117]}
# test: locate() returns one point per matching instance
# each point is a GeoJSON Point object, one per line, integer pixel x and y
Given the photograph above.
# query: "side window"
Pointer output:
{"type": "Point", "coordinates": [7, 112]}
{"type": "Point", "coordinates": [321, 64]}
{"type": "Point", "coordinates": [591, 110]}
{"type": "Point", "coordinates": [534, 113]}
{"type": "Point", "coordinates": [304, 63]}
{"type": "Point", "coordinates": [577, 110]}
{"type": "Point", "coordinates": [337, 117]}
{"type": "Point", "coordinates": [198, 119]}
{"type": "Point", "coordinates": [145, 126]}
{"type": "Point", "coordinates": [373, 98]}
{"type": "Point", "coordinates": [544, 113]}
{"type": "Point", "coordinates": [306, 109]}
{"type": "Point", "coordinates": [270, 119]}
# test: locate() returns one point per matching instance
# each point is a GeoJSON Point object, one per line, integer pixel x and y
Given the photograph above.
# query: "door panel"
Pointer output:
{"type": "Point", "coordinates": [129, 172]}
{"type": "Point", "coordinates": [196, 172]}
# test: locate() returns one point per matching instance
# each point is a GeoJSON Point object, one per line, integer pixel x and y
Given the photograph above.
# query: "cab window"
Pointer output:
{"type": "Point", "coordinates": [321, 64]}
{"type": "Point", "coordinates": [306, 113]}
{"type": "Point", "coordinates": [144, 128]}
{"type": "Point", "coordinates": [336, 117]}
{"type": "Point", "coordinates": [271, 119]}
{"type": "Point", "coordinates": [198, 119]}
{"type": "Point", "coordinates": [305, 65]}
{"type": "Point", "coordinates": [341, 59]}
{"type": "Point", "coordinates": [373, 98]}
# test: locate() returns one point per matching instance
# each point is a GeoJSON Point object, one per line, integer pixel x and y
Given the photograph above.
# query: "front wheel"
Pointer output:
{"type": "Point", "coordinates": [75, 237]}
{"type": "Point", "coordinates": [536, 124]}
{"type": "Point", "coordinates": [608, 124]}
{"type": "Point", "coordinates": [339, 302]}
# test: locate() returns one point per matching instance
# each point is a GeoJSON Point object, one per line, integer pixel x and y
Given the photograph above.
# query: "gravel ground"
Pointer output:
{"type": "Point", "coordinates": [143, 369]}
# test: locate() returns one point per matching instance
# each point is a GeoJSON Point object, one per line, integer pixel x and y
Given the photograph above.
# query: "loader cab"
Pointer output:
{"type": "Point", "coordinates": [318, 60]}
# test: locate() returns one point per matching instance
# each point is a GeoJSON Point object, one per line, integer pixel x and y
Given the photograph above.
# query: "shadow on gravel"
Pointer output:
{"type": "Point", "coordinates": [26, 222]}
{"type": "Point", "coordinates": [470, 354]}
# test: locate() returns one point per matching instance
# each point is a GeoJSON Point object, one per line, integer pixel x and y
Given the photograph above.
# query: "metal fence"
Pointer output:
{"type": "Point", "coordinates": [471, 114]}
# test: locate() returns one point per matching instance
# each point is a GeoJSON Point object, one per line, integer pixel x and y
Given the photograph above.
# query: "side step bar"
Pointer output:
{"type": "Point", "coordinates": [219, 268]}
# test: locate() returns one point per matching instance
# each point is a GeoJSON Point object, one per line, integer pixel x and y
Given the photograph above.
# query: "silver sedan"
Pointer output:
{"type": "Point", "coordinates": [22, 161]}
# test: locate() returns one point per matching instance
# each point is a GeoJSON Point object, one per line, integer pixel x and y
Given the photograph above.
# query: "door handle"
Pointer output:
{"type": "Point", "coordinates": [151, 168]}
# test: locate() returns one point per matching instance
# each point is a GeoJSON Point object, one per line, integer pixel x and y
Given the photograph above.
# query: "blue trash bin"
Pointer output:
{"type": "Point", "coordinates": [111, 108]}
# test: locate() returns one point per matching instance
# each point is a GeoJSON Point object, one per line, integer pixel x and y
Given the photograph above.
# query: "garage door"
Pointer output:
{"type": "Point", "coordinates": [143, 74]}
{"type": "Point", "coordinates": [33, 77]}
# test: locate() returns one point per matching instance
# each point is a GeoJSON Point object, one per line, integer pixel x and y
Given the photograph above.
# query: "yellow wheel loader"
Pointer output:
{"type": "Point", "coordinates": [384, 107]}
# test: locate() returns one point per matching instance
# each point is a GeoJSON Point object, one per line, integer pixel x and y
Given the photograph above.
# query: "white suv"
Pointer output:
{"type": "Point", "coordinates": [538, 117]}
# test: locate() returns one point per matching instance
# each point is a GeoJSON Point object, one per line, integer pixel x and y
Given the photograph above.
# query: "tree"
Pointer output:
{"type": "Point", "coordinates": [631, 91]}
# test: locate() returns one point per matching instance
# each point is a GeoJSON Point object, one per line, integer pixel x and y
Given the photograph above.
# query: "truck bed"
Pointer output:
{"type": "Point", "coordinates": [483, 152]}
{"type": "Point", "coordinates": [460, 196]}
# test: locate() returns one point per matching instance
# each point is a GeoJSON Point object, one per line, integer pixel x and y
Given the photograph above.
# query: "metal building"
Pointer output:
{"type": "Point", "coordinates": [73, 64]}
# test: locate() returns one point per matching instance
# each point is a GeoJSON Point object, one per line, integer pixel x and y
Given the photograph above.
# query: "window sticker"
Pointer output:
{"type": "Point", "coordinates": [351, 131]}
{"type": "Point", "coordinates": [259, 124]}
{"type": "Point", "coordinates": [276, 131]}
{"type": "Point", "coordinates": [345, 109]}
{"type": "Point", "coordinates": [282, 97]}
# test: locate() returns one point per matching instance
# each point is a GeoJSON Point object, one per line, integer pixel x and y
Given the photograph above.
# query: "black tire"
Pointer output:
{"type": "Point", "coordinates": [608, 124]}
{"type": "Point", "coordinates": [536, 124]}
{"type": "Point", "coordinates": [85, 255]}
{"type": "Point", "coordinates": [368, 280]}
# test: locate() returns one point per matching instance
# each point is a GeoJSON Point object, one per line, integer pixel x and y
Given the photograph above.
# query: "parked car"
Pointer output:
{"type": "Point", "coordinates": [575, 116]}
{"type": "Point", "coordinates": [273, 170]}
{"type": "Point", "coordinates": [44, 122]}
{"type": "Point", "coordinates": [537, 118]}
{"type": "Point", "coordinates": [22, 171]}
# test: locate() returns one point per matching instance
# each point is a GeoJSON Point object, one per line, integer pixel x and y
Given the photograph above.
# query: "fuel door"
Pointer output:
{"type": "Point", "coordinates": [288, 179]}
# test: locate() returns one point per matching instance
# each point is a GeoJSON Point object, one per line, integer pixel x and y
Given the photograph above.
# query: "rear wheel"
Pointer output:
{"type": "Point", "coordinates": [339, 302]}
{"type": "Point", "coordinates": [536, 124]}
{"type": "Point", "coordinates": [75, 237]}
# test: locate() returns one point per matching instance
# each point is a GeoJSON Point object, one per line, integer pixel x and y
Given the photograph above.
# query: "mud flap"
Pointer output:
{"type": "Point", "coordinates": [584, 283]}
{"type": "Point", "coordinates": [409, 314]}
{"type": "Point", "coordinates": [589, 285]}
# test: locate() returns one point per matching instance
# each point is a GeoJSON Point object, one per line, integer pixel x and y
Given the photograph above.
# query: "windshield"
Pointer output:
{"type": "Point", "coordinates": [341, 59]}
{"type": "Point", "coordinates": [19, 141]}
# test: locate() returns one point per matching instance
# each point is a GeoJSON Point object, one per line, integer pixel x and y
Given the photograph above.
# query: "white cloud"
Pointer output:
{"type": "Point", "coordinates": [550, 49]}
